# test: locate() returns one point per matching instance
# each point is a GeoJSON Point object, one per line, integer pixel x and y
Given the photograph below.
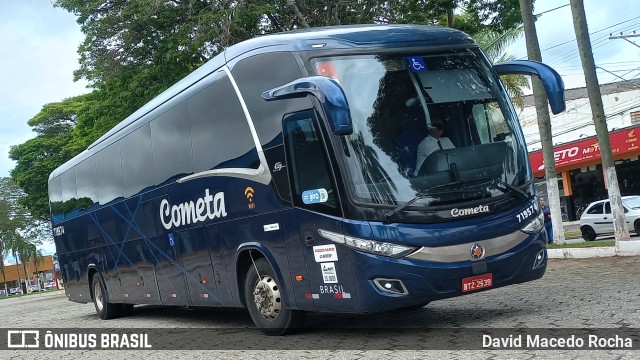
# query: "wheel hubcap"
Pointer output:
{"type": "Point", "coordinates": [97, 294]}
{"type": "Point", "coordinates": [266, 296]}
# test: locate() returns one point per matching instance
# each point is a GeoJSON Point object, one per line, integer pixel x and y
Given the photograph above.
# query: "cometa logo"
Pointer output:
{"type": "Point", "coordinates": [190, 212]}
{"type": "Point", "coordinates": [455, 212]}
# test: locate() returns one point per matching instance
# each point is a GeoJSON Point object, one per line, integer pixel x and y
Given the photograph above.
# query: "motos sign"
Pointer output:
{"type": "Point", "coordinates": [573, 154]}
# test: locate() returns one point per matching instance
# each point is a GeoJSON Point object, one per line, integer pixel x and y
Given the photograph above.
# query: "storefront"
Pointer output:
{"type": "Point", "coordinates": [579, 165]}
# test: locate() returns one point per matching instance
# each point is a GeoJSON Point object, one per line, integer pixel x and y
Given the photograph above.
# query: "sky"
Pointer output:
{"type": "Point", "coordinates": [38, 54]}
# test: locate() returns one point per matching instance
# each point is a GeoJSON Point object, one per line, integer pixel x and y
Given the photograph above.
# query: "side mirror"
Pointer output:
{"type": "Point", "coordinates": [553, 84]}
{"type": "Point", "coordinates": [327, 91]}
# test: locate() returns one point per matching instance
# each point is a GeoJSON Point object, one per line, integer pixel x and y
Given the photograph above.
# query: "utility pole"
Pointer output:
{"type": "Point", "coordinates": [544, 123]}
{"type": "Point", "coordinates": [597, 110]}
{"type": "Point", "coordinates": [625, 38]}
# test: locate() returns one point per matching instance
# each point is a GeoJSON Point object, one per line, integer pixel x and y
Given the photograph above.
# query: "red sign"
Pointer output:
{"type": "Point", "coordinates": [622, 141]}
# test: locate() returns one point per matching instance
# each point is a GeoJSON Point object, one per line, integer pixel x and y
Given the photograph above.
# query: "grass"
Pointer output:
{"type": "Point", "coordinates": [572, 234]}
{"type": "Point", "coordinates": [2, 297]}
{"type": "Point", "coordinates": [586, 244]}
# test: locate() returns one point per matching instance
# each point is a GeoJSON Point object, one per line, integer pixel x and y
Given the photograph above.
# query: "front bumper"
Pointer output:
{"type": "Point", "coordinates": [426, 280]}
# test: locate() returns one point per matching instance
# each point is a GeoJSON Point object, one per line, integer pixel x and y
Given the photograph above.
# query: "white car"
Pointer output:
{"type": "Point", "coordinates": [50, 286]}
{"type": "Point", "coordinates": [597, 218]}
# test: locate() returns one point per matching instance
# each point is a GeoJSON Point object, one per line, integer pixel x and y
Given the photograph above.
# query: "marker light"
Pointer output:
{"type": "Point", "coordinates": [371, 246]}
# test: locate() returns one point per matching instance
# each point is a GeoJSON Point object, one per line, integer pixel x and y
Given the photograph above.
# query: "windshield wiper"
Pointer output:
{"type": "Point", "coordinates": [511, 189]}
{"type": "Point", "coordinates": [420, 195]}
{"type": "Point", "coordinates": [429, 192]}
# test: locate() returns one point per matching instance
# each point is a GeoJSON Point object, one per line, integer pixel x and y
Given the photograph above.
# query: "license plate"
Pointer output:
{"type": "Point", "coordinates": [474, 283]}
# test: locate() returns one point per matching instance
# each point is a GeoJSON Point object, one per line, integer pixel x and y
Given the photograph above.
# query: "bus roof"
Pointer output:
{"type": "Point", "coordinates": [322, 38]}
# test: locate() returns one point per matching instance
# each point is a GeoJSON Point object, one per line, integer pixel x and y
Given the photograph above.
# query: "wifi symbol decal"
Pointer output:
{"type": "Point", "coordinates": [248, 192]}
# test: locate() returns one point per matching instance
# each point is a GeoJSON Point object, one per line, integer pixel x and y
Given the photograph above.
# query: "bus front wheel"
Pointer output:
{"type": "Point", "coordinates": [263, 296]}
{"type": "Point", "coordinates": [104, 308]}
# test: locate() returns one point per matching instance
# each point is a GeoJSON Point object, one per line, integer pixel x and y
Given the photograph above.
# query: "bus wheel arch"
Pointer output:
{"type": "Point", "coordinates": [264, 300]}
{"type": "Point", "coordinates": [243, 264]}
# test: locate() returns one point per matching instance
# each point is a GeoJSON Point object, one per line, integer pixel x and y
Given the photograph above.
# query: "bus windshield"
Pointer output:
{"type": "Point", "coordinates": [437, 126]}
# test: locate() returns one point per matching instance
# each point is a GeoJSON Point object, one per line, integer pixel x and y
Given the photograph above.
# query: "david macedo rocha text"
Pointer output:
{"type": "Point", "coordinates": [571, 341]}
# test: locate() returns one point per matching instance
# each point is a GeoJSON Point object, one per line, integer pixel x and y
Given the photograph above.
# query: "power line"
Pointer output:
{"type": "Point", "coordinates": [595, 32]}
{"type": "Point", "coordinates": [619, 77]}
{"type": "Point", "coordinates": [601, 41]}
{"type": "Point", "coordinates": [546, 11]}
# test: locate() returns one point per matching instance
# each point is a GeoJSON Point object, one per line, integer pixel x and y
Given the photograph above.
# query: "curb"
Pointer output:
{"type": "Point", "coordinates": [622, 248]}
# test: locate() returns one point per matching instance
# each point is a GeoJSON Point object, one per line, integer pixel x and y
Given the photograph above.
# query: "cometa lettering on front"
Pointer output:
{"type": "Point", "coordinates": [191, 212]}
{"type": "Point", "coordinates": [469, 211]}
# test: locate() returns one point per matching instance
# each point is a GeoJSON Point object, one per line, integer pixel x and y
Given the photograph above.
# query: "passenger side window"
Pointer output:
{"type": "Point", "coordinates": [220, 134]}
{"type": "Point", "coordinates": [55, 197]}
{"type": "Point", "coordinates": [69, 193]}
{"type": "Point", "coordinates": [109, 173]}
{"type": "Point", "coordinates": [595, 209]}
{"type": "Point", "coordinates": [607, 208]}
{"type": "Point", "coordinates": [311, 176]}
{"type": "Point", "coordinates": [137, 171]}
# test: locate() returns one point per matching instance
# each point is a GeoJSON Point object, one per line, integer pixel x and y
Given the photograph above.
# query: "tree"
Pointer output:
{"type": "Point", "coordinates": [25, 251]}
{"type": "Point", "coordinates": [133, 50]}
{"type": "Point", "coordinates": [4, 215]}
{"type": "Point", "coordinates": [17, 224]}
{"type": "Point", "coordinates": [38, 157]}
{"type": "Point", "coordinates": [37, 255]}
{"type": "Point", "coordinates": [493, 44]}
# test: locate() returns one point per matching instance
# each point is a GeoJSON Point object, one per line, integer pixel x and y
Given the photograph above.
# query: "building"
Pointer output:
{"type": "Point", "coordinates": [45, 273]}
{"type": "Point", "coordinates": [577, 154]}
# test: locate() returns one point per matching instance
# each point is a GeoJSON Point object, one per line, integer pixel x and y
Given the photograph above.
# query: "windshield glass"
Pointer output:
{"type": "Point", "coordinates": [632, 202]}
{"type": "Point", "coordinates": [431, 124]}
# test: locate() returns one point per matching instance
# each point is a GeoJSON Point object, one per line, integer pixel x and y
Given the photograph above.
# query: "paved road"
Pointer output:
{"type": "Point", "coordinates": [587, 293]}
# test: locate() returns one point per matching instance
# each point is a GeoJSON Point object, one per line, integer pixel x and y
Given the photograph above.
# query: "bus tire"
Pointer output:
{"type": "Point", "coordinates": [264, 301]}
{"type": "Point", "coordinates": [104, 308]}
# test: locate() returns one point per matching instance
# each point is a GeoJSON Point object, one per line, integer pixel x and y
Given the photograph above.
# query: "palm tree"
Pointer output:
{"type": "Point", "coordinates": [16, 244]}
{"type": "Point", "coordinates": [26, 252]}
{"type": "Point", "coordinates": [37, 255]}
{"type": "Point", "coordinates": [493, 44]}
{"type": "Point", "coordinates": [4, 275]}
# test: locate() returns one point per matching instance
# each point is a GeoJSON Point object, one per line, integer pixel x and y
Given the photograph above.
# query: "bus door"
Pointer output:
{"type": "Point", "coordinates": [316, 207]}
{"type": "Point", "coordinates": [183, 265]}
{"type": "Point", "coordinates": [194, 254]}
{"type": "Point", "coordinates": [169, 272]}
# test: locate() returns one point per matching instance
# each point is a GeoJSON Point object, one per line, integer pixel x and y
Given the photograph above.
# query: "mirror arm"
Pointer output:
{"type": "Point", "coordinates": [553, 84]}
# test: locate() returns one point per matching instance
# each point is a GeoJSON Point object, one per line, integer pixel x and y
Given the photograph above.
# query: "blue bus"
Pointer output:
{"type": "Point", "coordinates": [343, 169]}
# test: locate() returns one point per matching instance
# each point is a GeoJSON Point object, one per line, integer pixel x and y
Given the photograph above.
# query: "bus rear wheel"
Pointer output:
{"type": "Point", "coordinates": [263, 297]}
{"type": "Point", "coordinates": [104, 308]}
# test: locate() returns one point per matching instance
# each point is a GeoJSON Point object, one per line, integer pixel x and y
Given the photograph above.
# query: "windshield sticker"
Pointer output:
{"type": "Point", "coordinates": [416, 64]}
{"type": "Point", "coordinates": [325, 253]}
{"type": "Point", "coordinates": [315, 196]}
{"type": "Point", "coordinates": [328, 69]}
{"type": "Point", "coordinates": [329, 273]}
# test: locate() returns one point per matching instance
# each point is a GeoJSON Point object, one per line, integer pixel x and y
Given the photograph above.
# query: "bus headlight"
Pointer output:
{"type": "Point", "coordinates": [370, 246]}
{"type": "Point", "coordinates": [535, 225]}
